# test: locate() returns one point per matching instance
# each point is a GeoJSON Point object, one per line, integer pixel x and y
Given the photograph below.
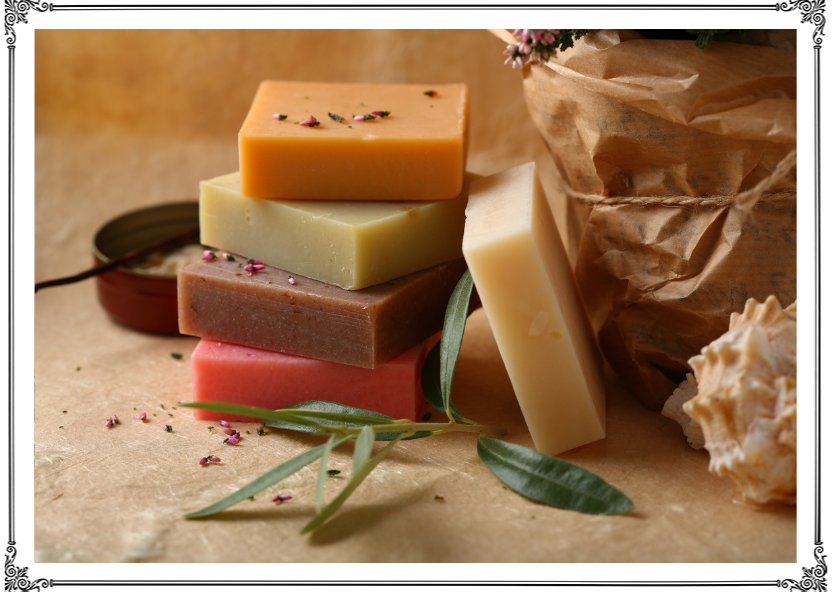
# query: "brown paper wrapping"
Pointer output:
{"type": "Point", "coordinates": [655, 141]}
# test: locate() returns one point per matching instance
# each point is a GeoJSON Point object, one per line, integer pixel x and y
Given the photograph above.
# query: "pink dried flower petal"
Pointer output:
{"type": "Point", "coordinates": [214, 459]}
{"type": "Point", "coordinates": [109, 423]}
{"type": "Point", "coordinates": [208, 255]}
{"type": "Point", "coordinates": [224, 423]}
{"type": "Point", "coordinates": [291, 280]}
{"type": "Point", "coordinates": [229, 431]}
{"type": "Point", "coordinates": [203, 461]}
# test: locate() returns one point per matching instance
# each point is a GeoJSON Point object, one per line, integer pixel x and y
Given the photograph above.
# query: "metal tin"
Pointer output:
{"type": "Point", "coordinates": [135, 297]}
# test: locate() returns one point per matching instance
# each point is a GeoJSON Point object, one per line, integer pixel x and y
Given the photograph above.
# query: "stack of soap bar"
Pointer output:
{"type": "Point", "coordinates": [345, 243]}
{"type": "Point", "coordinates": [531, 299]}
{"type": "Point", "coordinates": [248, 376]}
{"type": "Point", "coordinates": [364, 328]}
{"type": "Point", "coordinates": [351, 197]}
{"type": "Point", "coordinates": [416, 152]}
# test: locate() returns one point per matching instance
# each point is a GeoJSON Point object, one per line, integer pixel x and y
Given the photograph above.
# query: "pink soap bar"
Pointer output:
{"type": "Point", "coordinates": [240, 374]}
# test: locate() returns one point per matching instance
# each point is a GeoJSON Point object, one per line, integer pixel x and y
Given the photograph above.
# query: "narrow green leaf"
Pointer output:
{"type": "Point", "coordinates": [452, 332]}
{"type": "Point", "coordinates": [235, 409]}
{"type": "Point", "coordinates": [322, 475]}
{"type": "Point", "coordinates": [353, 418]}
{"type": "Point", "coordinates": [430, 384]}
{"type": "Point", "coordinates": [551, 480]}
{"type": "Point", "coordinates": [265, 480]}
{"type": "Point", "coordinates": [363, 448]}
{"type": "Point", "coordinates": [354, 482]}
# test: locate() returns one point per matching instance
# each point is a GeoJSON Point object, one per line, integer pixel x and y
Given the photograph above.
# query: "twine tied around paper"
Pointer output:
{"type": "Point", "coordinates": [744, 201]}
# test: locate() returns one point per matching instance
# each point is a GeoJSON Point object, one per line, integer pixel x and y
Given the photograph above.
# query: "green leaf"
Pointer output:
{"type": "Point", "coordinates": [430, 384]}
{"type": "Point", "coordinates": [551, 480]}
{"type": "Point", "coordinates": [355, 481]}
{"type": "Point", "coordinates": [352, 417]}
{"type": "Point", "coordinates": [265, 480]}
{"type": "Point", "coordinates": [363, 448]}
{"type": "Point", "coordinates": [235, 409]}
{"type": "Point", "coordinates": [322, 474]}
{"type": "Point", "coordinates": [452, 332]}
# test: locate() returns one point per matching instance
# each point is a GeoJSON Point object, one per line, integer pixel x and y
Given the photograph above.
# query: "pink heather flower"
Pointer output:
{"type": "Point", "coordinates": [229, 431]}
{"type": "Point", "coordinates": [281, 498]}
{"type": "Point", "coordinates": [214, 459]}
{"type": "Point", "coordinates": [141, 417]}
{"type": "Point", "coordinates": [280, 116]}
{"type": "Point", "coordinates": [115, 418]}
{"type": "Point", "coordinates": [224, 423]}
{"type": "Point", "coordinates": [253, 268]}
{"type": "Point", "coordinates": [208, 255]}
{"type": "Point", "coordinates": [167, 428]}
{"type": "Point", "coordinates": [109, 423]}
{"type": "Point", "coordinates": [233, 440]}
{"type": "Point", "coordinates": [291, 280]}
{"type": "Point", "coordinates": [203, 461]}
{"type": "Point", "coordinates": [311, 122]}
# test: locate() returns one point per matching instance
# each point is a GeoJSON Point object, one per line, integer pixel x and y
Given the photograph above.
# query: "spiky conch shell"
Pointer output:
{"type": "Point", "coordinates": [746, 403]}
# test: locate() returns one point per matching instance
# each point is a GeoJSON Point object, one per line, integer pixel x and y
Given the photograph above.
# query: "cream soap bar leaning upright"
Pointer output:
{"type": "Point", "coordinates": [529, 294]}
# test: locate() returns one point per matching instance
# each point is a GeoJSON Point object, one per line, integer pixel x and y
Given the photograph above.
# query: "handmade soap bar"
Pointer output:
{"type": "Point", "coordinates": [417, 151]}
{"type": "Point", "coordinates": [218, 300]}
{"type": "Point", "coordinates": [249, 376]}
{"type": "Point", "coordinates": [349, 244]}
{"type": "Point", "coordinates": [530, 297]}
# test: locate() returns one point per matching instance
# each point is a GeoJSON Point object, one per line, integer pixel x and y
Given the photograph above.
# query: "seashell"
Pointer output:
{"type": "Point", "coordinates": [746, 402]}
{"type": "Point", "coordinates": [673, 409]}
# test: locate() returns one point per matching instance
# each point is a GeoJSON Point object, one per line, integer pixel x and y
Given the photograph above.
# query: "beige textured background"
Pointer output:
{"type": "Point", "coordinates": [126, 119]}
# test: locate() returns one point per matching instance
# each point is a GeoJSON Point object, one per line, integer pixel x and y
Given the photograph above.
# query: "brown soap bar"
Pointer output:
{"type": "Point", "coordinates": [219, 300]}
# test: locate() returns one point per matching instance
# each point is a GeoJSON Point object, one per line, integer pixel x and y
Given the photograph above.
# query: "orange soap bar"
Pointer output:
{"type": "Point", "coordinates": [417, 152]}
{"type": "Point", "coordinates": [248, 376]}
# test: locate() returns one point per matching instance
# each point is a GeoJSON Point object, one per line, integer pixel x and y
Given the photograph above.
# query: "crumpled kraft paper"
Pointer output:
{"type": "Point", "coordinates": [654, 141]}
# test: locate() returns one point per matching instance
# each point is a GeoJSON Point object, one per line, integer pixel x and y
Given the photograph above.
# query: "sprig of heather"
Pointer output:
{"type": "Point", "coordinates": [538, 45]}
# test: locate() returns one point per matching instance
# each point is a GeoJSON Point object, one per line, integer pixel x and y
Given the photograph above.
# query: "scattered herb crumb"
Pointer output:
{"type": "Point", "coordinates": [167, 428]}
{"type": "Point", "coordinates": [349, 127]}
{"type": "Point", "coordinates": [426, 417]}
{"type": "Point", "coordinates": [170, 414]}
{"type": "Point", "coordinates": [362, 104]}
{"type": "Point", "coordinates": [306, 97]}
{"type": "Point", "coordinates": [77, 368]}
{"type": "Point", "coordinates": [134, 408]}
{"type": "Point", "coordinates": [336, 117]}
{"type": "Point", "coordinates": [247, 432]}
{"type": "Point", "coordinates": [430, 93]}
{"type": "Point", "coordinates": [333, 472]}
{"type": "Point", "coordinates": [260, 431]}
{"type": "Point", "coordinates": [438, 498]}
{"type": "Point", "coordinates": [210, 428]}
{"type": "Point", "coordinates": [176, 356]}
{"type": "Point", "coordinates": [60, 427]}
{"type": "Point", "coordinates": [64, 411]}
{"type": "Point", "coordinates": [154, 415]}
{"type": "Point", "coordinates": [162, 405]}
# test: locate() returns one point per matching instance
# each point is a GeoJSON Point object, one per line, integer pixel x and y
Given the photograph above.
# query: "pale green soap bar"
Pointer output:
{"type": "Point", "coordinates": [350, 244]}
